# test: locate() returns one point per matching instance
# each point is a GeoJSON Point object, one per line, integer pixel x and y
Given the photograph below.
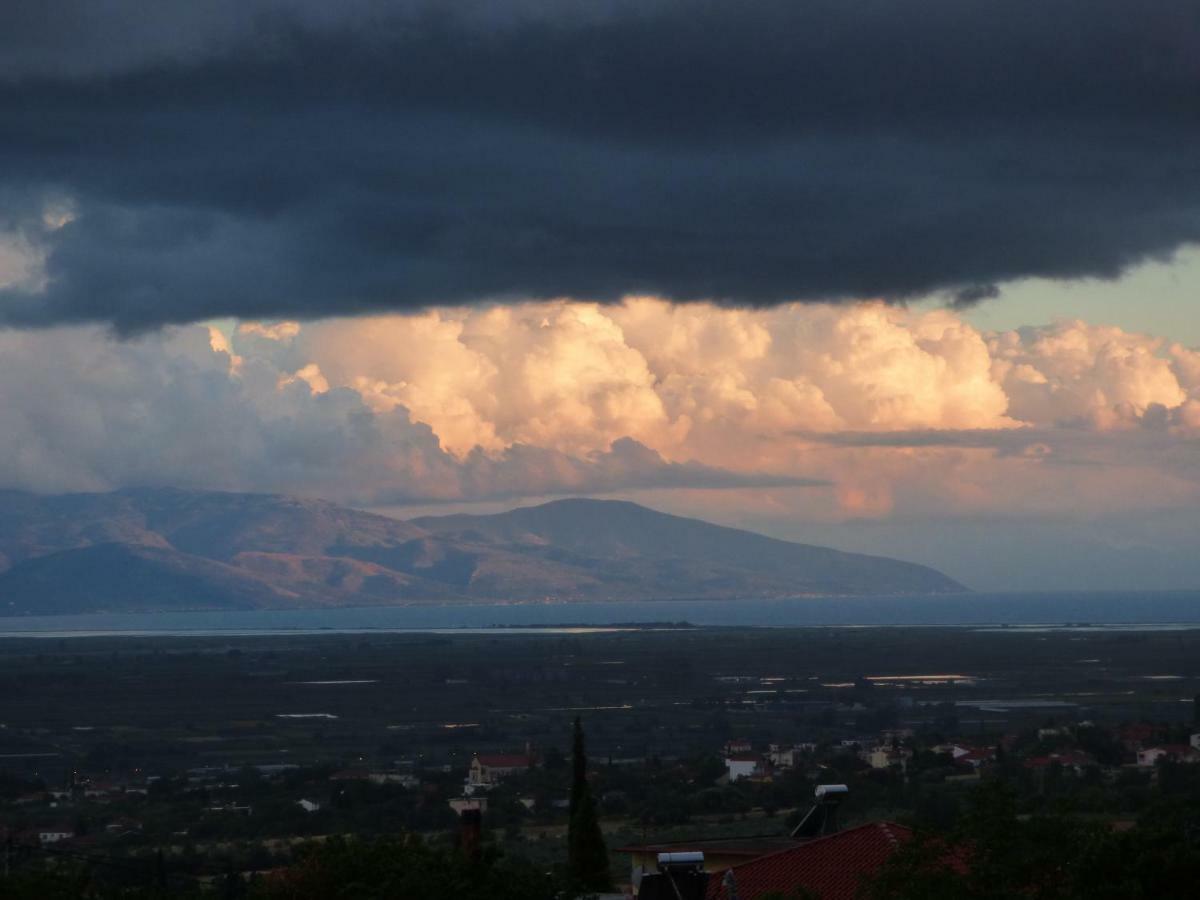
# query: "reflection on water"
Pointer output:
{"type": "Point", "coordinates": [1001, 612]}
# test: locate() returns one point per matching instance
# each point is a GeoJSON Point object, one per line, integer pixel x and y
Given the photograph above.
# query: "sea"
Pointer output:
{"type": "Point", "coordinates": [1115, 610]}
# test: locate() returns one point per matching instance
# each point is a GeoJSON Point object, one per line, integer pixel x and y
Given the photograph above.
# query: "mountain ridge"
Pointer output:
{"type": "Point", "coordinates": [149, 549]}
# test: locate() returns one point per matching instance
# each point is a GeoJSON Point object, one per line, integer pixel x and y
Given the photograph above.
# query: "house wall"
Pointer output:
{"type": "Point", "coordinates": [738, 768]}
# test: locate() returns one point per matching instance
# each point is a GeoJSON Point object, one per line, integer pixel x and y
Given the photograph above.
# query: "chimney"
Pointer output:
{"type": "Point", "coordinates": [822, 818]}
{"type": "Point", "coordinates": [470, 831]}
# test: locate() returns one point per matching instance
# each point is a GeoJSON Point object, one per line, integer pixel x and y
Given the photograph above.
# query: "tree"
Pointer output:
{"type": "Point", "coordinates": [587, 857]}
{"type": "Point", "coordinates": [995, 854]}
{"type": "Point", "coordinates": [404, 868]}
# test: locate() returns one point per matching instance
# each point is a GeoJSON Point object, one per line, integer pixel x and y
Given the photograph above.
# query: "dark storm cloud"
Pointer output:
{"type": "Point", "coordinates": [973, 295]}
{"type": "Point", "coordinates": [282, 159]}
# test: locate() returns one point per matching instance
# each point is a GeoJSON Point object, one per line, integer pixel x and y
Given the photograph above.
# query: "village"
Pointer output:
{"type": "Point", "coordinates": [741, 801]}
{"type": "Point", "coordinates": [681, 757]}
{"type": "Point", "coordinates": [685, 755]}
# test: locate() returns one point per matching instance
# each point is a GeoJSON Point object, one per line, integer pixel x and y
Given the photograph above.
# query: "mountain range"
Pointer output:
{"type": "Point", "coordinates": [166, 549]}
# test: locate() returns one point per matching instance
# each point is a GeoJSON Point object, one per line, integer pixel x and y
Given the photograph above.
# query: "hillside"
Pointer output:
{"type": "Point", "coordinates": [674, 556]}
{"type": "Point", "coordinates": [173, 549]}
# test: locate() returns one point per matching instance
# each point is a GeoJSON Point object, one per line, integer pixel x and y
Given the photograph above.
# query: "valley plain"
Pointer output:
{"type": "Point", "coordinates": [174, 733]}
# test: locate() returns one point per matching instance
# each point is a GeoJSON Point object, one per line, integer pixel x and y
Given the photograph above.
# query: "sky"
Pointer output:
{"type": "Point", "coordinates": [911, 279]}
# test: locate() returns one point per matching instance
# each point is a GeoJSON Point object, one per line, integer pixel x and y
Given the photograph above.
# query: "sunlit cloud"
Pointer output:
{"type": "Point", "coordinates": [878, 411]}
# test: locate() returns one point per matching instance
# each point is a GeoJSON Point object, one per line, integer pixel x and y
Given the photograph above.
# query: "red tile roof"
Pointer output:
{"type": "Point", "coordinates": [504, 761]}
{"type": "Point", "coordinates": [832, 867]}
{"type": "Point", "coordinates": [1179, 750]}
{"type": "Point", "coordinates": [1069, 758]}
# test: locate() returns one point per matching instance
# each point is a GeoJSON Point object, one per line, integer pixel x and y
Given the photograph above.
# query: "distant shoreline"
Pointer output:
{"type": "Point", "coordinates": [1016, 612]}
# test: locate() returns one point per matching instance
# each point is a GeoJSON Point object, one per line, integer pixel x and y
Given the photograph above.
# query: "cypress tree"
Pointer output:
{"type": "Point", "coordinates": [587, 857]}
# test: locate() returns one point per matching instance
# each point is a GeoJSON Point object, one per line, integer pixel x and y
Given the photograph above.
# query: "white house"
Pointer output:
{"type": "Point", "coordinates": [308, 806]}
{"type": "Point", "coordinates": [885, 756]}
{"type": "Point", "coordinates": [1148, 757]}
{"type": "Point", "coordinates": [1177, 752]}
{"type": "Point", "coordinates": [781, 756]}
{"type": "Point", "coordinates": [741, 765]}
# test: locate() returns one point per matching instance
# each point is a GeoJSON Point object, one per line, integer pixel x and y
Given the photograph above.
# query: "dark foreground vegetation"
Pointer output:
{"type": "Point", "coordinates": [1043, 764]}
{"type": "Point", "coordinates": [995, 853]}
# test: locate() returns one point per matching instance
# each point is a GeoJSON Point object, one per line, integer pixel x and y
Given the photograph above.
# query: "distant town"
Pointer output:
{"type": "Point", "coordinates": [222, 760]}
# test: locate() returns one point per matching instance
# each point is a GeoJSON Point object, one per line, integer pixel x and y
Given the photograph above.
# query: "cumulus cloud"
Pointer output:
{"type": "Point", "coordinates": [903, 410]}
{"type": "Point", "coordinates": [268, 159]}
{"type": "Point", "coordinates": [1107, 377]}
{"type": "Point", "coordinates": [80, 410]}
{"type": "Point", "coordinates": [692, 381]}
{"type": "Point", "coordinates": [897, 411]}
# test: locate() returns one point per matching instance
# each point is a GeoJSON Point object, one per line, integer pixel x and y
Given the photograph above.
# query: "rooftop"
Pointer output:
{"type": "Point", "coordinates": [504, 760]}
{"type": "Point", "coordinates": [832, 867]}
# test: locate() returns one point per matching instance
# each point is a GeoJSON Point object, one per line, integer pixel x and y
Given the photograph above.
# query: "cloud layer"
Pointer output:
{"type": "Point", "coordinates": [691, 381]}
{"type": "Point", "coordinates": [80, 411]}
{"type": "Point", "coordinates": [302, 159]}
{"type": "Point", "coordinates": [874, 411]}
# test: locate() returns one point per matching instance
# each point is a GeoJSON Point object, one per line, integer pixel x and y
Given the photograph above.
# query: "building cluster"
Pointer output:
{"type": "Point", "coordinates": [114, 806]}
{"type": "Point", "coordinates": [487, 771]}
{"type": "Point", "coordinates": [816, 859]}
{"type": "Point", "coordinates": [743, 763]}
{"type": "Point", "coordinates": [58, 814]}
{"type": "Point", "coordinates": [894, 749]}
{"type": "Point", "coordinates": [1149, 754]}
